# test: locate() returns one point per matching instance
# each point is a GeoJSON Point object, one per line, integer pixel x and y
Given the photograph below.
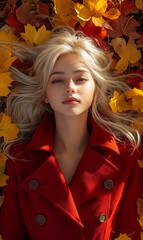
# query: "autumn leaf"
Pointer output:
{"type": "Point", "coordinates": [136, 96]}
{"type": "Point", "coordinates": [127, 6]}
{"type": "Point", "coordinates": [0, 235]}
{"type": "Point", "coordinates": [8, 129]}
{"type": "Point", "coordinates": [92, 10]}
{"type": "Point", "coordinates": [140, 210]}
{"type": "Point", "coordinates": [5, 82]}
{"type": "Point", "coordinates": [5, 59]}
{"type": "Point", "coordinates": [128, 54]}
{"type": "Point", "coordinates": [118, 102]}
{"type": "Point", "coordinates": [135, 80]}
{"type": "Point", "coordinates": [117, 42]}
{"type": "Point", "coordinates": [113, 13]}
{"type": "Point", "coordinates": [33, 36]}
{"type": "Point", "coordinates": [141, 235]}
{"type": "Point", "coordinates": [3, 159]}
{"type": "Point", "coordinates": [140, 162]}
{"type": "Point", "coordinates": [3, 179]}
{"type": "Point", "coordinates": [8, 37]}
{"type": "Point", "coordinates": [139, 4]}
{"type": "Point", "coordinates": [123, 237]}
{"type": "Point", "coordinates": [124, 25]}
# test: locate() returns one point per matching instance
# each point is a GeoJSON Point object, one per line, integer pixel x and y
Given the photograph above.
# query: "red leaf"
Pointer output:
{"type": "Point", "coordinates": [42, 8]}
{"type": "Point", "coordinates": [22, 66]}
{"type": "Point", "coordinates": [12, 21]}
{"type": "Point", "coordinates": [127, 7]}
{"type": "Point", "coordinates": [124, 26]}
{"type": "Point", "coordinates": [135, 80]}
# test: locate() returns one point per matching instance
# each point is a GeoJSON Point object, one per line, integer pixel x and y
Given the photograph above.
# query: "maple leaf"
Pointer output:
{"type": "Point", "coordinates": [127, 6]}
{"type": "Point", "coordinates": [140, 210]}
{"type": "Point", "coordinates": [64, 13]}
{"type": "Point", "coordinates": [3, 159]}
{"type": "Point", "coordinates": [124, 26]}
{"type": "Point", "coordinates": [92, 10]}
{"type": "Point", "coordinates": [135, 80]}
{"type": "Point", "coordinates": [33, 36]}
{"type": "Point", "coordinates": [8, 37]}
{"type": "Point", "coordinates": [3, 179]}
{"type": "Point", "coordinates": [128, 54]}
{"type": "Point", "coordinates": [140, 162]}
{"type": "Point", "coordinates": [123, 237]}
{"type": "Point", "coordinates": [5, 59]}
{"type": "Point", "coordinates": [136, 96]}
{"type": "Point", "coordinates": [139, 4]}
{"type": "Point", "coordinates": [118, 102]}
{"type": "Point", "coordinates": [5, 82]}
{"type": "Point", "coordinates": [8, 129]}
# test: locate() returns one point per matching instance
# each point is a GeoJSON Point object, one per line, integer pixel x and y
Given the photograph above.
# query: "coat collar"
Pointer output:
{"type": "Point", "coordinates": [43, 136]}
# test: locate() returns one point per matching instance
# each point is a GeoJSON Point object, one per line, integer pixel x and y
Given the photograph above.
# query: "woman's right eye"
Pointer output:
{"type": "Point", "coordinates": [57, 81]}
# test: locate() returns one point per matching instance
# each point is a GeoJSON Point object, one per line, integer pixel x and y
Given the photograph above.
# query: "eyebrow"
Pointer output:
{"type": "Point", "coordinates": [81, 70]}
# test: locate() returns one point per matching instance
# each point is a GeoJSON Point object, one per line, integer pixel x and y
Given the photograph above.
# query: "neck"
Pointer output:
{"type": "Point", "coordinates": [71, 134]}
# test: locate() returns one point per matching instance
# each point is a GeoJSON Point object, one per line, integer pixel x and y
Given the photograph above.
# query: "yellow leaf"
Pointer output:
{"type": "Point", "coordinates": [128, 54]}
{"type": "Point", "coordinates": [3, 159]}
{"type": "Point", "coordinates": [113, 13]}
{"type": "Point", "coordinates": [117, 43]}
{"type": "Point", "coordinates": [32, 36]}
{"type": "Point", "coordinates": [7, 129]}
{"type": "Point", "coordinates": [92, 9]}
{"type": "Point", "coordinates": [1, 202]}
{"type": "Point", "coordinates": [8, 37]}
{"type": "Point", "coordinates": [0, 237]}
{"type": "Point", "coordinates": [5, 82]}
{"type": "Point", "coordinates": [5, 59]}
{"type": "Point", "coordinates": [140, 210]}
{"type": "Point", "coordinates": [3, 179]}
{"type": "Point", "coordinates": [141, 235]}
{"type": "Point", "coordinates": [65, 12]}
{"type": "Point", "coordinates": [140, 162]}
{"type": "Point", "coordinates": [123, 237]}
{"type": "Point", "coordinates": [118, 103]}
{"type": "Point", "coordinates": [139, 4]}
{"type": "Point", "coordinates": [137, 98]}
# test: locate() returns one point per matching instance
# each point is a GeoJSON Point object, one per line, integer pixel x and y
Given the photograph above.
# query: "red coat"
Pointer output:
{"type": "Point", "coordinates": [100, 200]}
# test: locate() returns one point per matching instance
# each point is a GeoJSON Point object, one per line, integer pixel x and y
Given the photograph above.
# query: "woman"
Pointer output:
{"type": "Point", "coordinates": [74, 174]}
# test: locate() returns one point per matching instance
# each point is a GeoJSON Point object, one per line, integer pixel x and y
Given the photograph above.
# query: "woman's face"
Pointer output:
{"type": "Point", "coordinates": [70, 89]}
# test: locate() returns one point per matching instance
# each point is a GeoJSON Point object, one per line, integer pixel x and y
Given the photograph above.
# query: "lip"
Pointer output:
{"type": "Point", "coordinates": [70, 100]}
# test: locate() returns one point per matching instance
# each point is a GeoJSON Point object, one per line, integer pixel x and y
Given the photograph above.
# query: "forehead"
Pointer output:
{"type": "Point", "coordinates": [69, 61]}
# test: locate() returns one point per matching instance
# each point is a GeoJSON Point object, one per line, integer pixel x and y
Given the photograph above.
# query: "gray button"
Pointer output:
{"type": "Point", "coordinates": [108, 184]}
{"type": "Point", "coordinates": [102, 218]}
{"type": "Point", "coordinates": [40, 219]}
{"type": "Point", "coordinates": [33, 184]}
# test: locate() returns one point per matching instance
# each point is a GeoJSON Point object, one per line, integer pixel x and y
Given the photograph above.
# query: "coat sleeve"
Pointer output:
{"type": "Point", "coordinates": [12, 226]}
{"type": "Point", "coordinates": [127, 220]}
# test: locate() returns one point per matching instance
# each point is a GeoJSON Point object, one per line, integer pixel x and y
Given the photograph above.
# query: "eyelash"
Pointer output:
{"type": "Point", "coordinates": [58, 81]}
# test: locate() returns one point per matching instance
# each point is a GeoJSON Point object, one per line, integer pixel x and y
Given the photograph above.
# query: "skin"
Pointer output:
{"type": "Point", "coordinates": [70, 78]}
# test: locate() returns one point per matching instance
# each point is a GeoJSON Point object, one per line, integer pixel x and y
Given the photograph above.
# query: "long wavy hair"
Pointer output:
{"type": "Point", "coordinates": [26, 101]}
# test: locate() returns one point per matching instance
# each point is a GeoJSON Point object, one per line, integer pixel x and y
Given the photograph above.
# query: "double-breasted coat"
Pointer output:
{"type": "Point", "coordinates": [98, 204]}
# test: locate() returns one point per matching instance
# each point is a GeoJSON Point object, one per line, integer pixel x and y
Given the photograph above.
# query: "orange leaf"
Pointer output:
{"type": "Point", "coordinates": [5, 82]}
{"type": "Point", "coordinates": [113, 13]}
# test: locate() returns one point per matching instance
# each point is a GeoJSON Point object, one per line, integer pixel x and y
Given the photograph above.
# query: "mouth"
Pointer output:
{"type": "Point", "coordinates": [71, 100]}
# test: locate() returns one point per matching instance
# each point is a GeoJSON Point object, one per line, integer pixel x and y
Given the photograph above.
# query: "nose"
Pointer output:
{"type": "Point", "coordinates": [70, 88]}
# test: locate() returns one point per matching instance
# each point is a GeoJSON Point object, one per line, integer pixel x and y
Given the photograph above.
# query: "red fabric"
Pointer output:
{"type": "Point", "coordinates": [71, 212]}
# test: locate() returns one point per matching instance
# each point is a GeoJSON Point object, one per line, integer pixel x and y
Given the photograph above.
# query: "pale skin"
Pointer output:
{"type": "Point", "coordinates": [70, 78]}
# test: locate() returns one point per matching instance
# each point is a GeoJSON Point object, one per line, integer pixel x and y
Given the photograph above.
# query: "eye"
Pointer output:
{"type": "Point", "coordinates": [81, 79]}
{"type": "Point", "coordinates": [57, 81]}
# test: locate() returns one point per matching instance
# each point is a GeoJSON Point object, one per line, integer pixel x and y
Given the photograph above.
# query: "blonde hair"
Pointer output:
{"type": "Point", "coordinates": [26, 102]}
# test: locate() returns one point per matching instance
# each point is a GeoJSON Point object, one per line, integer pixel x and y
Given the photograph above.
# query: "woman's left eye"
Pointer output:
{"type": "Point", "coordinates": [81, 79]}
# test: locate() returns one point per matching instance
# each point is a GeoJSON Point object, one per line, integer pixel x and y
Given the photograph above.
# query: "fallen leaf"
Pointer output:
{"type": "Point", "coordinates": [117, 42]}
{"type": "Point", "coordinates": [124, 25]}
{"type": "Point", "coordinates": [5, 82]}
{"type": "Point", "coordinates": [118, 103]}
{"type": "Point", "coordinates": [113, 14]}
{"type": "Point", "coordinates": [3, 159]}
{"type": "Point", "coordinates": [140, 210]}
{"type": "Point", "coordinates": [139, 4]}
{"type": "Point", "coordinates": [3, 179]}
{"type": "Point", "coordinates": [8, 37]}
{"type": "Point", "coordinates": [123, 237]}
{"type": "Point", "coordinates": [5, 59]}
{"type": "Point", "coordinates": [8, 129]}
{"type": "Point", "coordinates": [136, 96]}
{"type": "Point", "coordinates": [140, 162]}
{"type": "Point", "coordinates": [127, 6]}
{"type": "Point", "coordinates": [33, 36]}
{"type": "Point", "coordinates": [135, 80]}
{"type": "Point", "coordinates": [128, 54]}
